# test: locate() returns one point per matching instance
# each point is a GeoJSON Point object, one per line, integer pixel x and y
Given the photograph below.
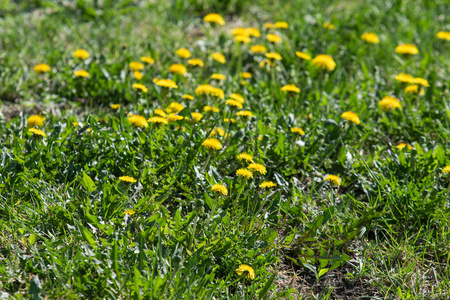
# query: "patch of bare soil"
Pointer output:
{"type": "Point", "coordinates": [343, 286]}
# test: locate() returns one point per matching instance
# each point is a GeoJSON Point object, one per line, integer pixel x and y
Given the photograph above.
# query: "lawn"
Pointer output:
{"type": "Point", "coordinates": [208, 149]}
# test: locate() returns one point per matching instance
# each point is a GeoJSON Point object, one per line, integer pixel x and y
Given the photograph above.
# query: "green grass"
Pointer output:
{"type": "Point", "coordinates": [382, 234]}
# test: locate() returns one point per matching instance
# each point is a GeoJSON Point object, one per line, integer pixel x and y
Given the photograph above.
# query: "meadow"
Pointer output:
{"type": "Point", "coordinates": [208, 149]}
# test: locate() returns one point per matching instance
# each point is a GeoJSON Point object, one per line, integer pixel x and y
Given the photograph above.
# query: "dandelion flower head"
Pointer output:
{"type": "Point", "coordinates": [35, 131]}
{"type": "Point", "coordinates": [247, 271]}
{"type": "Point", "coordinates": [167, 83]}
{"type": "Point", "coordinates": [220, 189]}
{"type": "Point", "coordinates": [258, 168]}
{"type": "Point", "coordinates": [408, 49]}
{"type": "Point", "coordinates": [351, 117]}
{"type": "Point", "coordinates": [290, 88]}
{"type": "Point", "coordinates": [81, 73]}
{"type": "Point", "coordinates": [178, 69]}
{"type": "Point", "coordinates": [138, 121]}
{"type": "Point", "coordinates": [389, 103]}
{"type": "Point", "coordinates": [267, 185]}
{"type": "Point", "coordinates": [214, 18]}
{"type": "Point", "coordinates": [140, 87]}
{"type": "Point", "coordinates": [35, 120]}
{"type": "Point", "coordinates": [244, 173]}
{"type": "Point", "coordinates": [370, 37]}
{"type": "Point", "coordinates": [212, 144]}
{"type": "Point", "coordinates": [219, 57]}
{"type": "Point", "coordinates": [335, 180]}
{"type": "Point", "coordinates": [297, 130]}
{"type": "Point", "coordinates": [303, 55]}
{"type": "Point", "coordinates": [245, 156]}
{"type": "Point", "coordinates": [183, 53]}
{"type": "Point", "coordinates": [42, 68]}
{"type": "Point", "coordinates": [136, 66]}
{"type": "Point", "coordinates": [81, 54]}
{"type": "Point", "coordinates": [324, 62]}
{"type": "Point", "coordinates": [127, 179]}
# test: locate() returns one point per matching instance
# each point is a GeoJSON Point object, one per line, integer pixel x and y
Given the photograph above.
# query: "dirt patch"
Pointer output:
{"type": "Point", "coordinates": [342, 285]}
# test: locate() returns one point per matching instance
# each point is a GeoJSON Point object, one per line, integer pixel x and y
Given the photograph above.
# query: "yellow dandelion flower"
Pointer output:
{"type": "Point", "coordinates": [127, 179]}
{"type": "Point", "coordinates": [443, 35]}
{"type": "Point", "coordinates": [214, 18]}
{"type": "Point", "coordinates": [266, 62]}
{"type": "Point", "coordinates": [303, 55]}
{"type": "Point", "coordinates": [138, 121]}
{"type": "Point", "coordinates": [160, 112]}
{"type": "Point", "coordinates": [220, 189]}
{"type": "Point", "coordinates": [212, 144]}
{"type": "Point", "coordinates": [389, 103]}
{"type": "Point", "coordinates": [178, 69]}
{"type": "Point", "coordinates": [158, 120]}
{"type": "Point", "coordinates": [173, 118]}
{"type": "Point", "coordinates": [136, 66]}
{"type": "Point", "coordinates": [446, 170]}
{"type": "Point", "coordinates": [281, 25]}
{"type": "Point", "coordinates": [75, 124]}
{"type": "Point", "coordinates": [268, 25]}
{"type": "Point", "coordinates": [234, 103]}
{"type": "Point", "coordinates": [244, 173]}
{"type": "Point", "coordinates": [267, 185]}
{"type": "Point", "coordinates": [140, 87]}
{"type": "Point", "coordinates": [42, 68]}
{"type": "Point", "coordinates": [253, 32]}
{"type": "Point", "coordinates": [245, 75]}
{"type": "Point", "coordinates": [324, 62]}
{"type": "Point", "coordinates": [81, 54]}
{"type": "Point", "coordinates": [297, 130]}
{"type": "Point", "coordinates": [129, 212]}
{"type": "Point", "coordinates": [351, 117]}
{"type": "Point", "coordinates": [290, 88]}
{"type": "Point", "coordinates": [219, 57]}
{"type": "Point", "coordinates": [196, 117]}
{"type": "Point", "coordinates": [403, 77]}
{"type": "Point", "coordinates": [138, 75]}
{"type": "Point", "coordinates": [218, 76]}
{"type": "Point", "coordinates": [176, 107]}
{"type": "Point", "coordinates": [258, 49]}
{"type": "Point", "coordinates": [247, 271]}
{"type": "Point", "coordinates": [407, 49]}
{"type": "Point", "coordinates": [195, 62]}
{"type": "Point", "coordinates": [245, 113]}
{"type": "Point", "coordinates": [370, 37]}
{"type": "Point", "coordinates": [148, 60]}
{"type": "Point", "coordinates": [402, 146]}
{"type": "Point", "coordinates": [167, 83]}
{"type": "Point", "coordinates": [257, 168]}
{"type": "Point", "coordinates": [421, 81]}
{"type": "Point", "coordinates": [35, 131]}
{"type": "Point", "coordinates": [208, 108]}
{"type": "Point", "coordinates": [328, 25]}
{"type": "Point", "coordinates": [187, 97]}
{"type": "Point", "coordinates": [155, 80]}
{"type": "Point", "coordinates": [242, 38]}
{"type": "Point", "coordinates": [239, 31]}
{"type": "Point", "coordinates": [245, 156]}
{"type": "Point", "coordinates": [115, 106]}
{"type": "Point", "coordinates": [35, 120]}
{"type": "Point", "coordinates": [273, 38]}
{"type": "Point", "coordinates": [183, 53]}
{"type": "Point", "coordinates": [335, 180]}
{"type": "Point", "coordinates": [237, 97]}
{"type": "Point", "coordinates": [81, 73]}
{"type": "Point", "coordinates": [207, 89]}
{"type": "Point", "coordinates": [273, 56]}
{"type": "Point", "coordinates": [414, 89]}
